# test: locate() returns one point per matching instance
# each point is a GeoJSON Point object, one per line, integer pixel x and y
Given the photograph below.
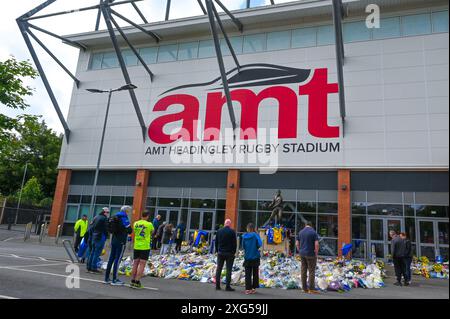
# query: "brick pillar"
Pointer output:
{"type": "Point", "coordinates": [140, 194]}
{"type": "Point", "coordinates": [232, 206]}
{"type": "Point", "coordinates": [344, 209]}
{"type": "Point", "coordinates": [59, 200]}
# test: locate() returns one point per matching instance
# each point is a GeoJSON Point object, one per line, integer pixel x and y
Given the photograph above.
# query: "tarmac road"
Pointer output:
{"type": "Point", "coordinates": [39, 271]}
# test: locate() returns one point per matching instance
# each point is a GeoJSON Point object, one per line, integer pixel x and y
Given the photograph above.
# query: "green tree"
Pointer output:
{"type": "Point", "coordinates": [13, 92]}
{"type": "Point", "coordinates": [32, 192]}
{"type": "Point", "coordinates": [33, 143]}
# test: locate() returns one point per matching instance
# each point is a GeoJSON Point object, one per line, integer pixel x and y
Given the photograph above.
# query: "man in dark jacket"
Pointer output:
{"type": "Point", "coordinates": [408, 258]}
{"type": "Point", "coordinates": [226, 245]}
{"type": "Point", "coordinates": [156, 223]}
{"type": "Point", "coordinates": [99, 232]}
{"type": "Point", "coordinates": [398, 249]}
{"type": "Point", "coordinates": [120, 229]}
{"type": "Point", "coordinates": [179, 236]}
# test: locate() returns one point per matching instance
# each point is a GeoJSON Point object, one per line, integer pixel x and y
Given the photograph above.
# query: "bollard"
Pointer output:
{"type": "Point", "coordinates": [27, 231]}
{"type": "Point", "coordinates": [58, 234]}
{"type": "Point", "coordinates": [41, 235]}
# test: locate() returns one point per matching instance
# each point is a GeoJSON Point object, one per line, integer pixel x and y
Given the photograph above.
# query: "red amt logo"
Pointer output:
{"type": "Point", "coordinates": [317, 90]}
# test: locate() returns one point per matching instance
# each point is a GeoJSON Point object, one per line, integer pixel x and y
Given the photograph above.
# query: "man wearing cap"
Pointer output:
{"type": "Point", "coordinates": [99, 231]}
{"type": "Point", "coordinates": [226, 245]}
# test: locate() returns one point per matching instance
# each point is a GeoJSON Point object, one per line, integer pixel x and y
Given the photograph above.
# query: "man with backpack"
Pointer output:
{"type": "Point", "coordinates": [98, 234]}
{"type": "Point", "coordinates": [119, 226]}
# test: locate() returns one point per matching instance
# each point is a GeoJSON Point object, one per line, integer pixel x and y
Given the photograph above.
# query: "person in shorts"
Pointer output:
{"type": "Point", "coordinates": [143, 230]}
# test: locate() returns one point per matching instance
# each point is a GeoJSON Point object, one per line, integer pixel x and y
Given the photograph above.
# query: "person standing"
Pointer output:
{"type": "Point", "coordinates": [159, 234]}
{"type": "Point", "coordinates": [166, 239]}
{"type": "Point", "coordinates": [308, 246]}
{"type": "Point", "coordinates": [99, 232]}
{"type": "Point", "coordinates": [143, 231]}
{"type": "Point", "coordinates": [120, 228]}
{"type": "Point", "coordinates": [80, 229]}
{"type": "Point", "coordinates": [226, 245]}
{"type": "Point", "coordinates": [179, 236]}
{"type": "Point", "coordinates": [251, 242]}
{"type": "Point", "coordinates": [408, 258]}
{"type": "Point", "coordinates": [398, 249]}
{"type": "Point", "coordinates": [156, 223]}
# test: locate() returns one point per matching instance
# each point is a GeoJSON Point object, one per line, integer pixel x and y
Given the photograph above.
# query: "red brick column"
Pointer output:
{"type": "Point", "coordinates": [59, 200]}
{"type": "Point", "coordinates": [232, 206]}
{"type": "Point", "coordinates": [344, 209]}
{"type": "Point", "coordinates": [140, 194]}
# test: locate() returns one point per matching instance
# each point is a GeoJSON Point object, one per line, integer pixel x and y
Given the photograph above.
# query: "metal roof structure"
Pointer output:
{"type": "Point", "coordinates": [106, 11]}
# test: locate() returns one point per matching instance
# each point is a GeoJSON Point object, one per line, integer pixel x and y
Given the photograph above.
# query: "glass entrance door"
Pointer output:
{"type": "Point", "coordinates": [433, 238]}
{"type": "Point", "coordinates": [171, 216]}
{"type": "Point", "coordinates": [200, 220]}
{"type": "Point", "coordinates": [379, 238]}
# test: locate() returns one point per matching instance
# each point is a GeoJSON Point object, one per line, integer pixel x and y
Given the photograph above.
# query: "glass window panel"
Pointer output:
{"type": "Point", "coordinates": [188, 51]}
{"type": "Point", "coordinates": [302, 38]}
{"type": "Point", "coordinates": [129, 57]}
{"type": "Point", "coordinates": [151, 201]}
{"type": "Point", "coordinates": [86, 199]}
{"type": "Point", "coordinates": [289, 207]}
{"type": "Point", "coordinates": [359, 227]}
{"type": "Point", "coordinates": [325, 35]}
{"type": "Point", "coordinates": [409, 210]}
{"type": "Point", "coordinates": [113, 210]}
{"type": "Point", "coordinates": [307, 207]}
{"type": "Point", "coordinates": [248, 204]}
{"type": "Point", "coordinates": [72, 213]}
{"type": "Point", "coordinates": [376, 229]}
{"type": "Point", "coordinates": [129, 201]}
{"type": "Point", "coordinates": [255, 43]}
{"type": "Point", "coordinates": [377, 250]}
{"type": "Point", "coordinates": [389, 28]}
{"type": "Point", "coordinates": [149, 54]}
{"type": "Point", "coordinates": [221, 203]}
{"type": "Point", "coordinates": [206, 49]}
{"type": "Point", "coordinates": [195, 220]}
{"type": "Point", "coordinates": [327, 247]}
{"type": "Point", "coordinates": [443, 251]}
{"type": "Point", "coordinates": [426, 232]}
{"type": "Point", "coordinates": [203, 203]}
{"type": "Point", "coordinates": [262, 218]}
{"type": "Point", "coordinates": [327, 208]}
{"type": "Point", "coordinates": [443, 233]}
{"type": "Point", "coordinates": [207, 221]}
{"type": "Point", "coordinates": [220, 218]}
{"type": "Point", "coordinates": [359, 208]}
{"type": "Point", "coordinates": [303, 218]}
{"type": "Point", "coordinates": [117, 200]}
{"type": "Point", "coordinates": [394, 225]}
{"type": "Point", "coordinates": [440, 21]}
{"type": "Point", "coordinates": [74, 199]}
{"type": "Point", "coordinates": [410, 228]}
{"type": "Point", "coordinates": [359, 249]}
{"type": "Point", "coordinates": [246, 217]}
{"type": "Point", "coordinates": [427, 252]}
{"type": "Point", "coordinates": [416, 24]}
{"type": "Point", "coordinates": [356, 31]}
{"type": "Point", "coordinates": [431, 211]}
{"type": "Point", "coordinates": [288, 221]}
{"type": "Point", "coordinates": [169, 202]}
{"type": "Point", "coordinates": [173, 217]}
{"type": "Point", "coordinates": [102, 200]}
{"type": "Point", "coordinates": [85, 210]}
{"type": "Point", "coordinates": [384, 209]}
{"type": "Point", "coordinates": [236, 43]}
{"type": "Point", "coordinates": [96, 61]}
{"type": "Point", "coordinates": [328, 226]}
{"type": "Point", "coordinates": [110, 60]}
{"type": "Point", "coordinates": [168, 53]}
{"type": "Point", "coordinates": [278, 40]}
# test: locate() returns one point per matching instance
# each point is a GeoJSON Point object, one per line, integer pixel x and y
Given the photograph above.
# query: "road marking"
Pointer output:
{"type": "Point", "coordinates": [7, 297]}
{"type": "Point", "coordinates": [39, 265]}
{"type": "Point", "coordinates": [10, 238]}
{"type": "Point", "coordinates": [35, 258]}
{"type": "Point", "coordinates": [64, 276]}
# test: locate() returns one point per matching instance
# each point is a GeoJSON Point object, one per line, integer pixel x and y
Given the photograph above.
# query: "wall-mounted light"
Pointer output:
{"type": "Point", "coordinates": [138, 184]}
{"type": "Point", "coordinates": [232, 185]}
{"type": "Point", "coordinates": [344, 187]}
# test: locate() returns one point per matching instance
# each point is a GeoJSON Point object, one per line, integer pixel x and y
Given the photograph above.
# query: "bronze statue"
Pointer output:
{"type": "Point", "coordinates": [277, 208]}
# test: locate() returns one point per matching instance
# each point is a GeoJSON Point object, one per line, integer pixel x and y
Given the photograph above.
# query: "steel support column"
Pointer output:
{"type": "Point", "coordinates": [106, 15]}
{"type": "Point", "coordinates": [235, 20]}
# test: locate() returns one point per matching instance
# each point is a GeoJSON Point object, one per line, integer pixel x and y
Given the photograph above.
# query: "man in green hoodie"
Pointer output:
{"type": "Point", "coordinates": [80, 230]}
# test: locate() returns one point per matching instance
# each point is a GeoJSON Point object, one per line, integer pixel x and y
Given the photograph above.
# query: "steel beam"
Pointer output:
{"type": "Point", "coordinates": [36, 9]}
{"type": "Point", "coordinates": [337, 19]}
{"type": "Point", "coordinates": [137, 26]}
{"type": "Point", "coordinates": [248, 4]}
{"type": "Point", "coordinates": [23, 30]}
{"type": "Point", "coordinates": [136, 53]}
{"type": "Point", "coordinates": [76, 44]}
{"type": "Point", "coordinates": [168, 9]}
{"type": "Point", "coordinates": [230, 47]}
{"type": "Point", "coordinates": [235, 20]}
{"type": "Point", "coordinates": [272, 2]}
{"type": "Point", "coordinates": [202, 6]}
{"type": "Point", "coordinates": [42, 45]}
{"type": "Point", "coordinates": [139, 12]}
{"type": "Point", "coordinates": [99, 16]}
{"type": "Point", "coordinates": [223, 74]}
{"type": "Point", "coordinates": [106, 15]}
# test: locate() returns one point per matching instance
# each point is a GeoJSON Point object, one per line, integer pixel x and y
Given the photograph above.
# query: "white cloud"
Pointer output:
{"type": "Point", "coordinates": [13, 44]}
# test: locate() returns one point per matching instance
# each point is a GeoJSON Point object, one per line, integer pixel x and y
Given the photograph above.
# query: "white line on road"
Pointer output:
{"type": "Point", "coordinates": [39, 265]}
{"type": "Point", "coordinates": [7, 297]}
{"type": "Point", "coordinates": [59, 275]}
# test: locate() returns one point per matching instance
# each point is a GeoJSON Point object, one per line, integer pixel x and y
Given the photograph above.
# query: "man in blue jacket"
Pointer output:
{"type": "Point", "coordinates": [226, 245]}
{"type": "Point", "coordinates": [99, 232]}
{"type": "Point", "coordinates": [120, 228]}
{"type": "Point", "coordinates": [156, 224]}
{"type": "Point", "coordinates": [251, 242]}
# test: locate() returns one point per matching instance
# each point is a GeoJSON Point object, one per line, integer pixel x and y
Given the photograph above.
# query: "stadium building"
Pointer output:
{"type": "Point", "coordinates": [381, 165]}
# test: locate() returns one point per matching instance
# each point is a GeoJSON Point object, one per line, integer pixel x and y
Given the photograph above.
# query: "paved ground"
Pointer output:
{"type": "Point", "coordinates": [32, 270]}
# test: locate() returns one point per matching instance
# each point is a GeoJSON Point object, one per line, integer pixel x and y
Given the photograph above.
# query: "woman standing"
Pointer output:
{"type": "Point", "coordinates": [166, 239]}
{"type": "Point", "coordinates": [251, 242]}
